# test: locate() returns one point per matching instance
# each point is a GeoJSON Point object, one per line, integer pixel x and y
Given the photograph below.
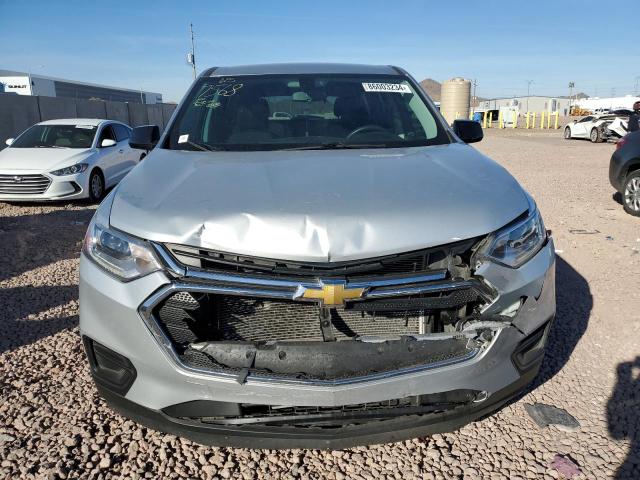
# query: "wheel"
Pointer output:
{"type": "Point", "coordinates": [631, 194]}
{"type": "Point", "coordinates": [96, 186]}
{"type": "Point", "coordinates": [567, 133]}
{"type": "Point", "coordinates": [595, 135]}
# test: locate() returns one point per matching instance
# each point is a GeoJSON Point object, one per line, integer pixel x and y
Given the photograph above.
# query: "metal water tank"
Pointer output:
{"type": "Point", "coordinates": [455, 97]}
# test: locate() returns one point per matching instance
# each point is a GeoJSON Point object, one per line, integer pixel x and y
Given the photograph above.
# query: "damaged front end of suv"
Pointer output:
{"type": "Point", "coordinates": [259, 300]}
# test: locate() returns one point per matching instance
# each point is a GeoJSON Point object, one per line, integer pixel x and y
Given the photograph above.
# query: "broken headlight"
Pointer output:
{"type": "Point", "coordinates": [516, 244]}
{"type": "Point", "coordinates": [121, 255]}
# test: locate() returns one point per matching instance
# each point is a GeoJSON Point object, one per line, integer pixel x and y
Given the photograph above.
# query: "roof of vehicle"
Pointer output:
{"type": "Point", "coordinates": [302, 68]}
{"type": "Point", "coordinates": [76, 121]}
{"type": "Point", "coordinates": [605, 116]}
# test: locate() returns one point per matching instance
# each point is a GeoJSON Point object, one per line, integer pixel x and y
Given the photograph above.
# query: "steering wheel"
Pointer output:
{"type": "Point", "coordinates": [366, 129]}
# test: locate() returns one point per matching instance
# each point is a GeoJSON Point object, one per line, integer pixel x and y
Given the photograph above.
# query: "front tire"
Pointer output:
{"type": "Point", "coordinates": [567, 133]}
{"type": "Point", "coordinates": [595, 135]}
{"type": "Point", "coordinates": [631, 194]}
{"type": "Point", "coordinates": [96, 186]}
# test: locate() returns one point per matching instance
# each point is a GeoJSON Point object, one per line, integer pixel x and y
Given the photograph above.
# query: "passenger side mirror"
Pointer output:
{"type": "Point", "coordinates": [9, 141]}
{"type": "Point", "coordinates": [107, 142]}
{"type": "Point", "coordinates": [144, 137]}
{"type": "Point", "coordinates": [469, 131]}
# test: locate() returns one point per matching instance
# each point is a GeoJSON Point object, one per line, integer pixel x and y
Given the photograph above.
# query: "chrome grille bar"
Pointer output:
{"type": "Point", "coordinates": [28, 184]}
{"type": "Point", "coordinates": [291, 289]}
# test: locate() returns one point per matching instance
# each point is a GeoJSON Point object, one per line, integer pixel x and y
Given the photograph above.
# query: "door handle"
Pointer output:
{"type": "Point", "coordinates": [121, 151]}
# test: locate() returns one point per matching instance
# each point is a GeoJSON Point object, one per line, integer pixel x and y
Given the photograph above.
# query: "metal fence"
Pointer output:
{"type": "Point", "coordinates": [19, 112]}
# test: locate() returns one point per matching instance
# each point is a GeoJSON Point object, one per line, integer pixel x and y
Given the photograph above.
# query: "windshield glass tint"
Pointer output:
{"type": "Point", "coordinates": [270, 112]}
{"type": "Point", "coordinates": [56, 136]}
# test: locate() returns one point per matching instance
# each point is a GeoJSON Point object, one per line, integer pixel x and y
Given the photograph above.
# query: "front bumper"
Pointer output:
{"type": "Point", "coordinates": [617, 171]}
{"type": "Point", "coordinates": [276, 437]}
{"type": "Point", "coordinates": [109, 315]}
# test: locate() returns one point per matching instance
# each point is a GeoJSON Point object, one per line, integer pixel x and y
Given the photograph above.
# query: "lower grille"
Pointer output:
{"type": "Point", "coordinates": [23, 184]}
{"type": "Point", "coordinates": [227, 413]}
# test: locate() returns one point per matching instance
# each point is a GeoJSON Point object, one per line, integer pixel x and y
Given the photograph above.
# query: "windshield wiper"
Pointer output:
{"type": "Point", "coordinates": [203, 146]}
{"type": "Point", "coordinates": [336, 146]}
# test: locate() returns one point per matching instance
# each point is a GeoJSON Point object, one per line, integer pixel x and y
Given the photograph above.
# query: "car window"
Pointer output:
{"type": "Point", "coordinates": [585, 119]}
{"type": "Point", "coordinates": [56, 136]}
{"type": "Point", "coordinates": [122, 132]}
{"type": "Point", "coordinates": [106, 134]}
{"type": "Point", "coordinates": [271, 112]}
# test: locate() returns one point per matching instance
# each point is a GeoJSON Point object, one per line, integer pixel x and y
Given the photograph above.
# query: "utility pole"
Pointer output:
{"type": "Point", "coordinates": [571, 85]}
{"type": "Point", "coordinates": [529, 82]}
{"type": "Point", "coordinates": [191, 58]}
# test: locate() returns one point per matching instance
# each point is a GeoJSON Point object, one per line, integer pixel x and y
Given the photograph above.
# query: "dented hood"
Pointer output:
{"type": "Point", "coordinates": [317, 205]}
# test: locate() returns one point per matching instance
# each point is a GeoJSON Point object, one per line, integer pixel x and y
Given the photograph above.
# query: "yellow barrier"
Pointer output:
{"type": "Point", "coordinates": [555, 123]}
{"type": "Point", "coordinates": [515, 119]}
{"type": "Point", "coordinates": [500, 119]}
{"type": "Point", "coordinates": [542, 119]}
{"type": "Point", "coordinates": [533, 123]}
{"type": "Point", "coordinates": [527, 123]}
{"type": "Point", "coordinates": [484, 120]}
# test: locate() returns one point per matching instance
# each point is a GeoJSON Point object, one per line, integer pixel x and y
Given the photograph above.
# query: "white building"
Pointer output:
{"type": "Point", "coordinates": [522, 105]}
{"type": "Point", "coordinates": [31, 84]}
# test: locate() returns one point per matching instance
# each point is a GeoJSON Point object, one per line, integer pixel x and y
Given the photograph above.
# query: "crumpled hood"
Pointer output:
{"type": "Point", "coordinates": [40, 159]}
{"type": "Point", "coordinates": [317, 205]}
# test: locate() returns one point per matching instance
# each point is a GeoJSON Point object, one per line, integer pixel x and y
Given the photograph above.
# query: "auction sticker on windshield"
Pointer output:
{"type": "Point", "coordinates": [386, 87]}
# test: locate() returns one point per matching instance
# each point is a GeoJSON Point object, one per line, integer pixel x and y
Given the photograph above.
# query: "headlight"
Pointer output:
{"type": "Point", "coordinates": [120, 254]}
{"type": "Point", "coordinates": [516, 244]}
{"type": "Point", "coordinates": [72, 170]}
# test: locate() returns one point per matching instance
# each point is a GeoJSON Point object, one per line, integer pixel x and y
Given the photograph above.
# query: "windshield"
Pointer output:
{"type": "Point", "coordinates": [272, 112]}
{"type": "Point", "coordinates": [56, 136]}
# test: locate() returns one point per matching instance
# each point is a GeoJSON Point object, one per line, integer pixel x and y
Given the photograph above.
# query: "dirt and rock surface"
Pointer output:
{"type": "Point", "coordinates": [53, 424]}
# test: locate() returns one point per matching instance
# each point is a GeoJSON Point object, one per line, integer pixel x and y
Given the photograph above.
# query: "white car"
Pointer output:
{"type": "Point", "coordinates": [597, 128]}
{"type": "Point", "coordinates": [66, 159]}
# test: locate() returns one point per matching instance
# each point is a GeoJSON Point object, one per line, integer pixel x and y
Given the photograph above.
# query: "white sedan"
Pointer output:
{"type": "Point", "coordinates": [66, 159]}
{"type": "Point", "coordinates": [597, 128]}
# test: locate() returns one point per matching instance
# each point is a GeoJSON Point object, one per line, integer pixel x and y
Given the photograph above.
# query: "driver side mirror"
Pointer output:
{"type": "Point", "coordinates": [144, 137]}
{"type": "Point", "coordinates": [108, 142]}
{"type": "Point", "coordinates": [9, 141]}
{"type": "Point", "coordinates": [469, 131]}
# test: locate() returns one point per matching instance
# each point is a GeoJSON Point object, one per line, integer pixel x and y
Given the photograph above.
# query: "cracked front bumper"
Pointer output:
{"type": "Point", "coordinates": [109, 315]}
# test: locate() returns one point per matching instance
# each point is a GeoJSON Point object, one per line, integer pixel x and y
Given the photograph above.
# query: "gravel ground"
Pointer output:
{"type": "Point", "coordinates": [53, 425]}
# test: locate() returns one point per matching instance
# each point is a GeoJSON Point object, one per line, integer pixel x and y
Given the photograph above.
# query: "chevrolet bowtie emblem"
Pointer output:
{"type": "Point", "coordinates": [332, 294]}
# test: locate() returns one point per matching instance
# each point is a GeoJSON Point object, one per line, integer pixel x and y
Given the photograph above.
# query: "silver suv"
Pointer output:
{"type": "Point", "coordinates": [311, 257]}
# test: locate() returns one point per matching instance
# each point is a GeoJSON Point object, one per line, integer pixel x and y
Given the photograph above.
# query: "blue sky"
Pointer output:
{"type": "Point", "coordinates": [502, 44]}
